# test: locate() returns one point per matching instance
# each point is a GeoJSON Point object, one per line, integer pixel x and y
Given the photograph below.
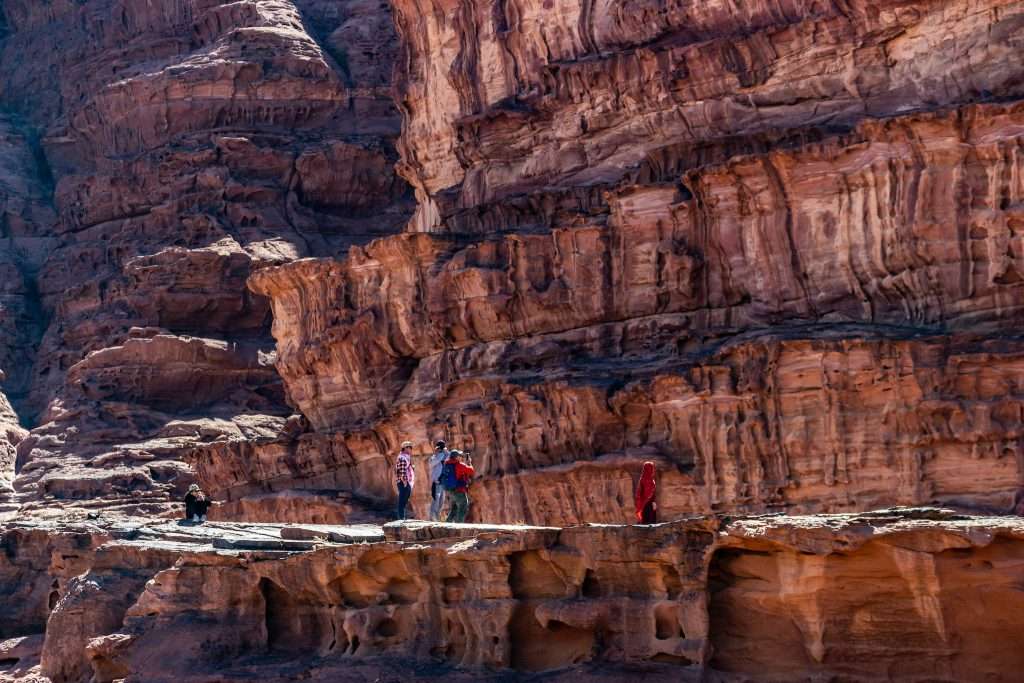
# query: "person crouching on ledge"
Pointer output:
{"type": "Point", "coordinates": [646, 508]}
{"type": "Point", "coordinates": [196, 504]}
{"type": "Point", "coordinates": [405, 477]}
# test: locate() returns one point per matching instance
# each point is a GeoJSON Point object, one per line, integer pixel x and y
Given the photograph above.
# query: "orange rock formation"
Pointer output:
{"type": "Point", "coordinates": [776, 247]}
{"type": "Point", "coordinates": [897, 595]}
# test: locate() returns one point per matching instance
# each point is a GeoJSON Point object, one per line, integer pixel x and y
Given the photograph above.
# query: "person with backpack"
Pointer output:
{"type": "Point", "coordinates": [437, 490]}
{"type": "Point", "coordinates": [646, 507]}
{"type": "Point", "coordinates": [405, 477]}
{"type": "Point", "coordinates": [196, 504]}
{"type": "Point", "coordinates": [456, 477]}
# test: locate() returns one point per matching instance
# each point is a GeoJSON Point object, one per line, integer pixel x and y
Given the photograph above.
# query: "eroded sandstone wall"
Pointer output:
{"type": "Point", "coordinates": [504, 99]}
{"type": "Point", "coordinates": [748, 320]}
{"type": "Point", "coordinates": [189, 143]}
{"type": "Point", "coordinates": [901, 595]}
{"type": "Point", "coordinates": [773, 247]}
{"type": "Point", "coordinates": [795, 423]}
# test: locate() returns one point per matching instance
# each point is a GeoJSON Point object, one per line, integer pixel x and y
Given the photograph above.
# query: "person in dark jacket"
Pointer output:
{"type": "Point", "coordinates": [456, 479]}
{"type": "Point", "coordinates": [646, 507]}
{"type": "Point", "coordinates": [196, 504]}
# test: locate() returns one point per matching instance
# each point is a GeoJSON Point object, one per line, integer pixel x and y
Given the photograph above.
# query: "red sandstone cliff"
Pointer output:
{"type": "Point", "coordinates": [775, 247]}
{"type": "Point", "coordinates": [751, 243]}
{"type": "Point", "coordinates": [189, 144]}
{"type": "Point", "coordinates": [898, 595]}
{"type": "Point", "coordinates": [639, 226]}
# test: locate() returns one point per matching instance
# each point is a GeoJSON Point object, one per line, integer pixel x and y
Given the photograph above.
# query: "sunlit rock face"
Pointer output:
{"type": "Point", "coordinates": [182, 146]}
{"type": "Point", "coordinates": [504, 101]}
{"type": "Point", "coordinates": [775, 248]}
{"type": "Point", "coordinates": [771, 248]}
{"type": "Point", "coordinates": [900, 595]}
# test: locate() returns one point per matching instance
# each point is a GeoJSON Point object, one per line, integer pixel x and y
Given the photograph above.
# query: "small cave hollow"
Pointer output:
{"type": "Point", "coordinates": [544, 647]}
{"type": "Point", "coordinates": [294, 624]}
{"type": "Point", "coordinates": [402, 591]}
{"type": "Point", "coordinates": [355, 589]}
{"type": "Point", "coordinates": [454, 589]}
{"type": "Point", "coordinates": [671, 581]}
{"type": "Point", "coordinates": [387, 628]}
{"type": "Point", "coordinates": [666, 622]}
{"type": "Point", "coordinates": [747, 624]}
{"type": "Point", "coordinates": [453, 640]}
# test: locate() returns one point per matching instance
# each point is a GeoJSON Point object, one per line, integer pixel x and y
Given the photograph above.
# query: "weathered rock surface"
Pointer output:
{"type": "Point", "coordinates": [754, 333]}
{"type": "Point", "coordinates": [643, 226]}
{"type": "Point", "coordinates": [755, 244]}
{"type": "Point", "coordinates": [902, 595]}
{"type": "Point", "coordinates": [618, 192]}
{"type": "Point", "coordinates": [11, 434]}
{"type": "Point", "coordinates": [738, 263]}
{"type": "Point", "coordinates": [784, 423]}
{"type": "Point", "coordinates": [189, 144]}
{"type": "Point", "coordinates": [502, 101]}
{"type": "Point", "coordinates": [775, 247]}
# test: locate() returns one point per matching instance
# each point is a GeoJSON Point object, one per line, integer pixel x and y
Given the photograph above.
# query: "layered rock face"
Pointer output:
{"type": "Point", "coordinates": [642, 232]}
{"type": "Point", "coordinates": [896, 595]}
{"type": "Point", "coordinates": [775, 248]}
{"type": "Point", "coordinates": [191, 143]}
{"type": "Point", "coordinates": [574, 94]}
{"type": "Point", "coordinates": [796, 423]}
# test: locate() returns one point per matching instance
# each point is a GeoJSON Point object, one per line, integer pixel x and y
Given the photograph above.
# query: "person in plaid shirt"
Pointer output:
{"type": "Point", "coordinates": [405, 477]}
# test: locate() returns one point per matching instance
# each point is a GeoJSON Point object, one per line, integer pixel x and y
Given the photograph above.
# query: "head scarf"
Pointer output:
{"type": "Point", "coordinates": [645, 489]}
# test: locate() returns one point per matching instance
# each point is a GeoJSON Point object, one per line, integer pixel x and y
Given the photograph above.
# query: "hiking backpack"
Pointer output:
{"type": "Point", "coordinates": [450, 477]}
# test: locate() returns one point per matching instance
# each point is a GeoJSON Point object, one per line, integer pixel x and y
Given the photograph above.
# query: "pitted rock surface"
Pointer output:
{"type": "Point", "coordinates": [889, 595]}
{"type": "Point", "coordinates": [159, 154]}
{"type": "Point", "coordinates": [777, 248]}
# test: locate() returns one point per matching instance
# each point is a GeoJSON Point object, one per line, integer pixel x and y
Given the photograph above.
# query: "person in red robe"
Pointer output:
{"type": "Point", "coordinates": [646, 508]}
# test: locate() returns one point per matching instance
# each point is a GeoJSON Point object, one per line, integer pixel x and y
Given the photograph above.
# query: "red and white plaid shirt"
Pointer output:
{"type": "Point", "coordinates": [405, 472]}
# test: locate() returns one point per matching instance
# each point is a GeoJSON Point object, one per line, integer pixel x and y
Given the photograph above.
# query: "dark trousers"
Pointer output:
{"type": "Point", "coordinates": [195, 508]}
{"type": "Point", "coordinates": [649, 514]}
{"type": "Point", "coordinates": [404, 492]}
{"type": "Point", "coordinates": [460, 506]}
